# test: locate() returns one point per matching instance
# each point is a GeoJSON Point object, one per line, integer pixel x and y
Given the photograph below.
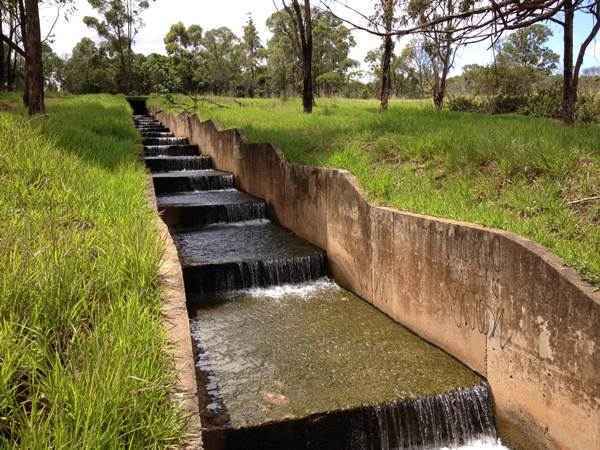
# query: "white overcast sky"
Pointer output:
{"type": "Point", "coordinates": [233, 14]}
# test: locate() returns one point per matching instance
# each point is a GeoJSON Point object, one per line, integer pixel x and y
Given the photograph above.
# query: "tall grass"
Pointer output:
{"type": "Point", "coordinates": [510, 172]}
{"type": "Point", "coordinates": [82, 360]}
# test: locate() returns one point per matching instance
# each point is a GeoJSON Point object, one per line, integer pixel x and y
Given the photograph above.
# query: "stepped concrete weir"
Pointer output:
{"type": "Point", "coordinates": [504, 306]}
{"type": "Point", "coordinates": [286, 358]}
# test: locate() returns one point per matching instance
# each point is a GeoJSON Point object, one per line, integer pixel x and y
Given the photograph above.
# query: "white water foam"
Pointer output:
{"type": "Point", "coordinates": [302, 290]}
{"type": "Point", "coordinates": [479, 444]}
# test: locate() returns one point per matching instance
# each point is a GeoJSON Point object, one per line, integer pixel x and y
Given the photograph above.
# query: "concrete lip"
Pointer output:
{"type": "Point", "coordinates": [191, 180]}
{"type": "Point", "coordinates": [214, 197]}
{"type": "Point", "coordinates": [272, 362]}
{"type": "Point", "coordinates": [176, 163]}
{"type": "Point", "coordinates": [245, 254]}
{"type": "Point", "coordinates": [199, 208]}
{"type": "Point", "coordinates": [171, 150]}
{"type": "Point", "coordinates": [164, 140]}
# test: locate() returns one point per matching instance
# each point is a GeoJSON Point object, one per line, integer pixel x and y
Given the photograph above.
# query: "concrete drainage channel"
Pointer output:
{"type": "Point", "coordinates": [285, 358]}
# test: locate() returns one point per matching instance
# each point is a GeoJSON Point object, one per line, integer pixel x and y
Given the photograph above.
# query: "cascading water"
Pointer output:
{"type": "Point", "coordinates": [170, 150]}
{"type": "Point", "coordinates": [285, 358]}
{"type": "Point", "coordinates": [449, 419]}
{"type": "Point", "coordinates": [175, 163]}
{"type": "Point", "coordinates": [238, 212]}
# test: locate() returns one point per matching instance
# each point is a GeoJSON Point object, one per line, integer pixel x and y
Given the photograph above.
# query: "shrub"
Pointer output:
{"type": "Point", "coordinates": [588, 108]}
{"type": "Point", "coordinates": [545, 102]}
{"type": "Point", "coordinates": [504, 104]}
{"type": "Point", "coordinates": [463, 103]}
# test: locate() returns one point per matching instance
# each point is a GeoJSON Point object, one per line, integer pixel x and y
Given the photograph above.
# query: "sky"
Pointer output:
{"type": "Point", "coordinates": [233, 14]}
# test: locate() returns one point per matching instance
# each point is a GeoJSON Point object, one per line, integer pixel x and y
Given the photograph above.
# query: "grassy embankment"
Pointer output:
{"type": "Point", "coordinates": [82, 360]}
{"type": "Point", "coordinates": [510, 172]}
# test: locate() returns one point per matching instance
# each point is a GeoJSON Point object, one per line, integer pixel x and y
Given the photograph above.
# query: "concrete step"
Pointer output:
{"type": "Point", "coordinates": [314, 367]}
{"type": "Point", "coordinates": [175, 163]}
{"type": "Point", "coordinates": [186, 210]}
{"type": "Point", "coordinates": [165, 141]}
{"type": "Point", "coordinates": [245, 254]}
{"type": "Point", "coordinates": [171, 150]}
{"type": "Point", "coordinates": [156, 134]}
{"type": "Point", "coordinates": [187, 180]}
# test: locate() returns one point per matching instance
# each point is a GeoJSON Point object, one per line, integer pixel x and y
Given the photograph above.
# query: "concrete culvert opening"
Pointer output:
{"type": "Point", "coordinates": [138, 104]}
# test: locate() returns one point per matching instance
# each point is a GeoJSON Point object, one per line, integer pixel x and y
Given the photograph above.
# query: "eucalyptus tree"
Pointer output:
{"type": "Point", "coordinates": [184, 46]}
{"type": "Point", "coordinates": [302, 23]}
{"type": "Point", "coordinates": [221, 60]}
{"type": "Point", "coordinates": [120, 22]}
{"type": "Point", "coordinates": [252, 56]}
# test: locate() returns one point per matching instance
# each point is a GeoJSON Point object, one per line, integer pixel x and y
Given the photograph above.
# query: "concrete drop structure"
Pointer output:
{"type": "Point", "coordinates": [501, 304]}
{"type": "Point", "coordinates": [288, 359]}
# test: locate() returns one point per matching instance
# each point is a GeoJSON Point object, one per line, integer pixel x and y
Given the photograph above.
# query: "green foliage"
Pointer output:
{"type": "Point", "coordinates": [120, 23]}
{"type": "Point", "coordinates": [332, 42]}
{"type": "Point", "coordinates": [82, 362]}
{"type": "Point", "coordinates": [89, 69]}
{"type": "Point", "coordinates": [526, 47]}
{"type": "Point", "coordinates": [510, 172]}
{"type": "Point", "coordinates": [463, 103]}
{"type": "Point", "coordinates": [588, 108]}
{"type": "Point", "coordinates": [504, 103]}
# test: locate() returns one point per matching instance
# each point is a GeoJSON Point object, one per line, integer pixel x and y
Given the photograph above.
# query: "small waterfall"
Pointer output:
{"type": "Point", "coordinates": [209, 183]}
{"type": "Point", "coordinates": [170, 150]}
{"type": "Point", "coordinates": [259, 273]}
{"type": "Point", "coordinates": [450, 419]}
{"type": "Point", "coordinates": [164, 141]}
{"type": "Point", "coordinates": [157, 134]}
{"type": "Point", "coordinates": [238, 212]}
{"type": "Point", "coordinates": [175, 164]}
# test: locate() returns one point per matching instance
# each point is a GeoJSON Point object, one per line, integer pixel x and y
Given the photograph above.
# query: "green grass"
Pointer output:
{"type": "Point", "coordinates": [82, 349]}
{"type": "Point", "coordinates": [510, 172]}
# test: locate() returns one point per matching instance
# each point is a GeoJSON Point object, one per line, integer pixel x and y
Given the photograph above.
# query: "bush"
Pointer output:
{"type": "Point", "coordinates": [463, 103]}
{"type": "Point", "coordinates": [504, 104]}
{"type": "Point", "coordinates": [545, 102]}
{"type": "Point", "coordinates": [588, 108]}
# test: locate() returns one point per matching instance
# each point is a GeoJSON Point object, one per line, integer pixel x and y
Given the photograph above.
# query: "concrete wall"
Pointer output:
{"type": "Point", "coordinates": [503, 305]}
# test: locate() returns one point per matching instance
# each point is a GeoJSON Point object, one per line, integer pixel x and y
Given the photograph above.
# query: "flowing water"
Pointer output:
{"type": "Point", "coordinates": [287, 359]}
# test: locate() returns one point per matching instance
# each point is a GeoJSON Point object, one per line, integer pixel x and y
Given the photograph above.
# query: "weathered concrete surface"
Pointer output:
{"type": "Point", "coordinates": [501, 304]}
{"type": "Point", "coordinates": [177, 325]}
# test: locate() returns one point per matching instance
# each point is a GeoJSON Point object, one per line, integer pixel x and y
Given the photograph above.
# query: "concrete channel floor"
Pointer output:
{"type": "Point", "coordinates": [289, 366]}
{"type": "Point", "coordinates": [289, 352]}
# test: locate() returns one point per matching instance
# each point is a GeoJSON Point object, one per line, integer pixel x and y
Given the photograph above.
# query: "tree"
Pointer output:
{"type": "Point", "coordinates": [282, 69]}
{"type": "Point", "coordinates": [122, 19]}
{"type": "Point", "coordinates": [571, 68]}
{"type": "Point", "coordinates": [489, 19]}
{"type": "Point", "coordinates": [527, 47]}
{"type": "Point", "coordinates": [441, 40]}
{"type": "Point", "coordinates": [34, 71]}
{"type": "Point", "coordinates": [387, 12]}
{"type": "Point", "coordinates": [302, 20]}
{"type": "Point", "coordinates": [251, 58]}
{"type": "Point", "coordinates": [89, 69]}
{"type": "Point", "coordinates": [332, 42]}
{"type": "Point", "coordinates": [184, 46]}
{"type": "Point", "coordinates": [221, 60]}
{"type": "Point", "coordinates": [53, 68]}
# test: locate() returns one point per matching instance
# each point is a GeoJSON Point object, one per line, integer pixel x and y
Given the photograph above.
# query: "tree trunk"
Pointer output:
{"type": "Point", "coordinates": [439, 88]}
{"type": "Point", "coordinates": [386, 78]}
{"type": "Point", "coordinates": [307, 84]}
{"type": "Point", "coordinates": [388, 48]}
{"type": "Point", "coordinates": [34, 72]}
{"type": "Point", "coordinates": [308, 96]}
{"type": "Point", "coordinates": [569, 88]}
